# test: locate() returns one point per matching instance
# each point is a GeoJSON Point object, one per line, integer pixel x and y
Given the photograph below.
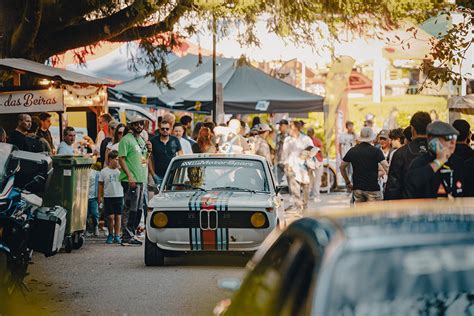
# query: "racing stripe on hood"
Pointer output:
{"type": "Point", "coordinates": [193, 240]}
{"type": "Point", "coordinates": [226, 230]}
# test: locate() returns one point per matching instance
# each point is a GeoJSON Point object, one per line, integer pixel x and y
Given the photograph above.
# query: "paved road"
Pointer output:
{"type": "Point", "coordinates": [111, 279]}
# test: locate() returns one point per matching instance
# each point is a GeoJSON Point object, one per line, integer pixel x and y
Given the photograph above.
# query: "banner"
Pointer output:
{"type": "Point", "coordinates": [335, 86]}
{"type": "Point", "coordinates": [48, 100]}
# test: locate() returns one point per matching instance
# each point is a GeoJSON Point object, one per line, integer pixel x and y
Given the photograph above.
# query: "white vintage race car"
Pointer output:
{"type": "Point", "coordinates": [212, 203]}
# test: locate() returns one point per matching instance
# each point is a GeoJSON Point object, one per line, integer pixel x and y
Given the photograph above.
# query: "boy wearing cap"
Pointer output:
{"type": "Point", "coordinates": [437, 173]}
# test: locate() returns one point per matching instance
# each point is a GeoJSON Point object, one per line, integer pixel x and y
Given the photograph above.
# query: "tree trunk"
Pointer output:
{"type": "Point", "coordinates": [8, 20]}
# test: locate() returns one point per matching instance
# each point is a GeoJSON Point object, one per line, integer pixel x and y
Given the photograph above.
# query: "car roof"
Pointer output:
{"type": "Point", "coordinates": [220, 156]}
{"type": "Point", "coordinates": [398, 218]}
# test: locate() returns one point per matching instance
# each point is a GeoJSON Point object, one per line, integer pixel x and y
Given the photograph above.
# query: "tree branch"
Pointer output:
{"type": "Point", "coordinates": [60, 14]}
{"type": "Point", "coordinates": [94, 31]}
{"type": "Point", "coordinates": [166, 25]}
{"type": "Point", "coordinates": [25, 34]}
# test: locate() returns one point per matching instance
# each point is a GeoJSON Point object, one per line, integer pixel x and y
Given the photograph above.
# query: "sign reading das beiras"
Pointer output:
{"type": "Point", "coordinates": [47, 100]}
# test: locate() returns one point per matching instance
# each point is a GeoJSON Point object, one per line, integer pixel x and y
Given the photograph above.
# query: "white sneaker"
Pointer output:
{"type": "Point", "coordinates": [317, 199]}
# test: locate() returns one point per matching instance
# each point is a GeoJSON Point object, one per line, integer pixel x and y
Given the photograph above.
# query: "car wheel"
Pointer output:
{"type": "Point", "coordinates": [328, 175]}
{"type": "Point", "coordinates": [78, 241]}
{"type": "Point", "coordinates": [154, 256]}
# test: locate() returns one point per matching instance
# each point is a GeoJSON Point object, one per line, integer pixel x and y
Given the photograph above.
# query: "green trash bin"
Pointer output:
{"type": "Point", "coordinates": [69, 188]}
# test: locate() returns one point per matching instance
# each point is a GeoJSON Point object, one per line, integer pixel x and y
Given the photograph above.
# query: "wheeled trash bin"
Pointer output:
{"type": "Point", "coordinates": [69, 188]}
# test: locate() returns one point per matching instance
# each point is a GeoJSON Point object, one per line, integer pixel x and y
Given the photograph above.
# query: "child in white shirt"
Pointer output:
{"type": "Point", "coordinates": [111, 196]}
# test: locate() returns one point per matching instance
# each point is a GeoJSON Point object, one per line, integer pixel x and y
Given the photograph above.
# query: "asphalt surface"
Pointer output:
{"type": "Point", "coordinates": [111, 279]}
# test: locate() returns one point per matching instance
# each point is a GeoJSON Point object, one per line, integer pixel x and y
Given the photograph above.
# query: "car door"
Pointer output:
{"type": "Point", "coordinates": [281, 282]}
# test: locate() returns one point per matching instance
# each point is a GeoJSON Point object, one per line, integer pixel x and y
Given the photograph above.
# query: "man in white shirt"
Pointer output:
{"type": "Point", "coordinates": [66, 147]}
{"type": "Point", "coordinates": [178, 131]}
{"type": "Point", "coordinates": [298, 181]}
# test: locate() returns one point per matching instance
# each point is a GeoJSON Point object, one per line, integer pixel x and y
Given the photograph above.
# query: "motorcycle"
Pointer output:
{"type": "Point", "coordinates": [25, 226]}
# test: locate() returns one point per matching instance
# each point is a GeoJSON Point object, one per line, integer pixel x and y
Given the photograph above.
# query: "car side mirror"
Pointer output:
{"type": "Point", "coordinates": [229, 284]}
{"type": "Point", "coordinates": [283, 189]}
{"type": "Point", "coordinates": [155, 188]}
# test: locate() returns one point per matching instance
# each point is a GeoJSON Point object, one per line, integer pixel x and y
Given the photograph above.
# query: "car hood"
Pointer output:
{"type": "Point", "coordinates": [229, 199]}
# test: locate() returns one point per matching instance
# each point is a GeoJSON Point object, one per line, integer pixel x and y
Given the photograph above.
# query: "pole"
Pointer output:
{"type": "Point", "coordinates": [214, 91]}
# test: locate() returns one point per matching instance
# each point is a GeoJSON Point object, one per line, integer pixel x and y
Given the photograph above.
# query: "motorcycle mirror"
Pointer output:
{"type": "Point", "coordinates": [14, 167]}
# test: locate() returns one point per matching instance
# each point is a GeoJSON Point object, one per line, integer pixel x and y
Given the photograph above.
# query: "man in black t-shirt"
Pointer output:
{"type": "Point", "coordinates": [17, 137]}
{"type": "Point", "coordinates": [365, 160]}
{"type": "Point", "coordinates": [165, 147]}
{"type": "Point", "coordinates": [43, 130]}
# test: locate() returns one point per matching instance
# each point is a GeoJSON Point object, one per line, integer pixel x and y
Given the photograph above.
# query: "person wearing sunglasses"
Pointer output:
{"type": "Point", "coordinates": [165, 148]}
{"type": "Point", "coordinates": [437, 173]}
{"type": "Point", "coordinates": [133, 154]}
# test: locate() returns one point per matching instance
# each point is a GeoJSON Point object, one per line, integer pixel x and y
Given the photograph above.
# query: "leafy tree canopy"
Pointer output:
{"type": "Point", "coordinates": [39, 29]}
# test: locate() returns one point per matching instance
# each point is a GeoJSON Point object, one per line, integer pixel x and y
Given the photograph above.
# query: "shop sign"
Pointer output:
{"type": "Point", "coordinates": [48, 100]}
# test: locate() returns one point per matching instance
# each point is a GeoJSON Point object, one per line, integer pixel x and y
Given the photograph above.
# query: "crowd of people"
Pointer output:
{"type": "Point", "coordinates": [129, 159]}
{"type": "Point", "coordinates": [425, 160]}
{"type": "Point", "coordinates": [428, 159]}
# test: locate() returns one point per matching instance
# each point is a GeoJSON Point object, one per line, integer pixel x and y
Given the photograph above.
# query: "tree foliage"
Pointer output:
{"type": "Point", "coordinates": [40, 29]}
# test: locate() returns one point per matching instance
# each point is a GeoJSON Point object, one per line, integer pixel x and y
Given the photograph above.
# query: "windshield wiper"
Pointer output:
{"type": "Point", "coordinates": [187, 185]}
{"type": "Point", "coordinates": [234, 188]}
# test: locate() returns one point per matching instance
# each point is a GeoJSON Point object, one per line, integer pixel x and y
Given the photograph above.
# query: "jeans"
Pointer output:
{"type": "Point", "coordinates": [133, 201]}
{"type": "Point", "coordinates": [316, 176]}
{"type": "Point", "coordinates": [93, 211]}
{"type": "Point", "coordinates": [142, 209]}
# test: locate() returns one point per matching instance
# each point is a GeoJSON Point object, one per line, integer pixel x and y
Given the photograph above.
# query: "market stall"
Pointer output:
{"type": "Point", "coordinates": [30, 87]}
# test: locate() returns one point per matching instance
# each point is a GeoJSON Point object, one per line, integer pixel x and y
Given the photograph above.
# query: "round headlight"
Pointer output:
{"type": "Point", "coordinates": [257, 220]}
{"type": "Point", "coordinates": [160, 220]}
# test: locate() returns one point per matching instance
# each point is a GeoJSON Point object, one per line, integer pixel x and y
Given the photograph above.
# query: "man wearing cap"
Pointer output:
{"type": "Point", "coordinates": [261, 145]}
{"type": "Point", "coordinates": [134, 152]}
{"type": "Point", "coordinates": [279, 159]}
{"type": "Point", "coordinates": [365, 160]}
{"type": "Point", "coordinates": [395, 187]}
{"type": "Point", "coordinates": [437, 173]}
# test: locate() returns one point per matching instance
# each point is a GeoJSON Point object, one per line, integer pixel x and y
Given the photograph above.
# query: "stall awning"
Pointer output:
{"type": "Point", "coordinates": [52, 73]}
{"type": "Point", "coordinates": [250, 90]}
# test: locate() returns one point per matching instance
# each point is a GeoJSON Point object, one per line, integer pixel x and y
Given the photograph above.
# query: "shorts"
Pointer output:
{"type": "Point", "coordinates": [367, 196]}
{"type": "Point", "coordinates": [113, 205]}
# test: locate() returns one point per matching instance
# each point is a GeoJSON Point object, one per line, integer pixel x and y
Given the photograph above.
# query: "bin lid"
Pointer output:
{"type": "Point", "coordinates": [72, 160]}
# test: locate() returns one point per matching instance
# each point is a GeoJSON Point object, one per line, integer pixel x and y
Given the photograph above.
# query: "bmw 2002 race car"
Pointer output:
{"type": "Point", "coordinates": [212, 202]}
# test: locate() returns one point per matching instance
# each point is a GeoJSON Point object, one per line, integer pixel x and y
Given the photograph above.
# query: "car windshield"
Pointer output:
{"type": "Point", "coordinates": [428, 280]}
{"type": "Point", "coordinates": [217, 174]}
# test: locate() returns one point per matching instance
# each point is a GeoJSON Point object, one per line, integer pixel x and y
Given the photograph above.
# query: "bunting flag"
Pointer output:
{"type": "Point", "coordinates": [336, 84]}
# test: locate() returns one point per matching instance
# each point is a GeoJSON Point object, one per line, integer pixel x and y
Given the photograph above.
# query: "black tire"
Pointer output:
{"type": "Point", "coordinates": [78, 242]}
{"type": "Point", "coordinates": [68, 244]}
{"type": "Point", "coordinates": [324, 179]}
{"type": "Point", "coordinates": [154, 256]}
